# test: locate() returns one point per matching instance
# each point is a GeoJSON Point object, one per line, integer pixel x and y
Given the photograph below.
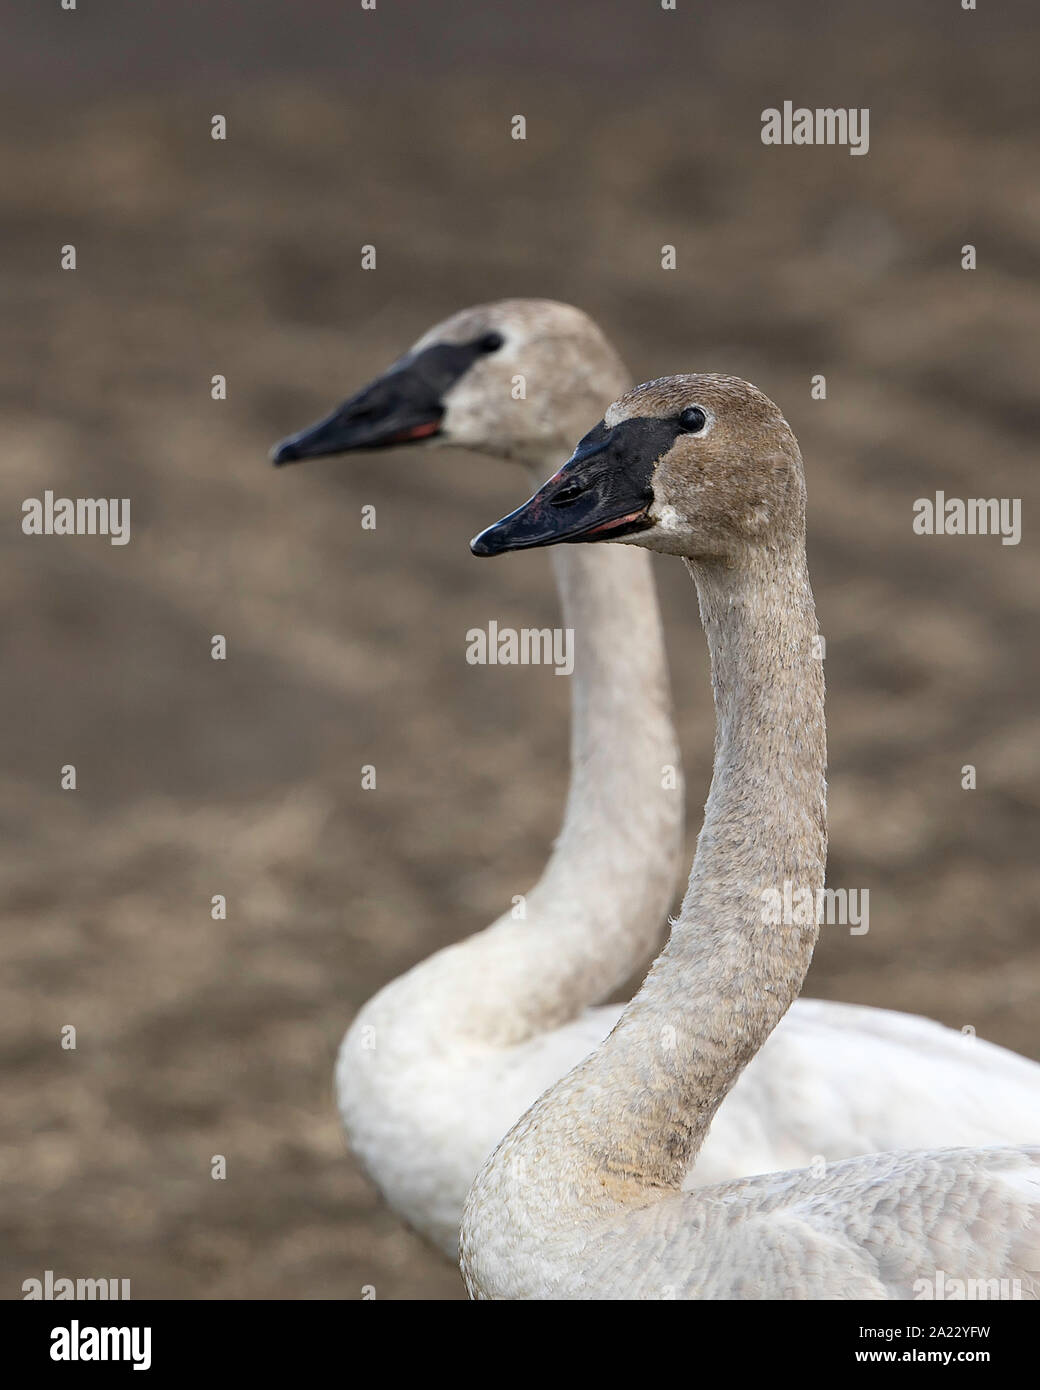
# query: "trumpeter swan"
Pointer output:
{"type": "Point", "coordinates": [584, 1197]}
{"type": "Point", "coordinates": [442, 1061]}
{"type": "Point", "coordinates": [438, 1065]}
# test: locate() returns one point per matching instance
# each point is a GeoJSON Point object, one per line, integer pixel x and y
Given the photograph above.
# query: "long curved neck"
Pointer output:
{"type": "Point", "coordinates": [597, 911]}
{"type": "Point", "coordinates": [730, 970]}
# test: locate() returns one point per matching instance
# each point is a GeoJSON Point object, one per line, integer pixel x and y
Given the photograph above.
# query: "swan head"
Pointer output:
{"type": "Point", "coordinates": [702, 466]}
{"type": "Point", "coordinates": [518, 379]}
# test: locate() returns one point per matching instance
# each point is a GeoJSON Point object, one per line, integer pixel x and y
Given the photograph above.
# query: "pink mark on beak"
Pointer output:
{"type": "Point", "coordinates": [618, 521]}
{"type": "Point", "coordinates": [419, 431]}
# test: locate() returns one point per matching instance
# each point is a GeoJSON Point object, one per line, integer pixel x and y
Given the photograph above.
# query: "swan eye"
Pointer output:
{"type": "Point", "coordinates": [490, 342]}
{"type": "Point", "coordinates": [692, 419]}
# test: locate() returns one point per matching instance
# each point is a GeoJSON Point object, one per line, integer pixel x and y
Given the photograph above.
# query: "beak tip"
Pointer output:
{"type": "Point", "coordinates": [282, 453]}
{"type": "Point", "coordinates": [480, 547]}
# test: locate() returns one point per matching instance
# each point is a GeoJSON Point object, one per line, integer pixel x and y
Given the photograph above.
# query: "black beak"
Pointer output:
{"type": "Point", "coordinates": [405, 403]}
{"type": "Point", "coordinates": [400, 406]}
{"type": "Point", "coordinates": [602, 492]}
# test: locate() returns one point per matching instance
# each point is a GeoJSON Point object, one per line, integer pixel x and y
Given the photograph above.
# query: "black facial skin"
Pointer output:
{"type": "Point", "coordinates": [403, 404]}
{"type": "Point", "coordinates": [602, 492]}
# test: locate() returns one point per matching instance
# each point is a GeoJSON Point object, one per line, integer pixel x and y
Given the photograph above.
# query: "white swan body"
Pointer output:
{"type": "Point", "coordinates": [584, 1197]}
{"type": "Point", "coordinates": [431, 1074]}
{"type": "Point", "coordinates": [833, 1081]}
{"type": "Point", "coordinates": [894, 1226]}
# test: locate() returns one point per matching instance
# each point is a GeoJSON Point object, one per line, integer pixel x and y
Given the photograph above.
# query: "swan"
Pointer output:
{"type": "Point", "coordinates": [438, 1065]}
{"type": "Point", "coordinates": [584, 1197]}
{"type": "Point", "coordinates": [442, 1061]}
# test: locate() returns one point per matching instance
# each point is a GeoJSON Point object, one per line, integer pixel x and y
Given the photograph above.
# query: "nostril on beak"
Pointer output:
{"type": "Point", "coordinates": [567, 495]}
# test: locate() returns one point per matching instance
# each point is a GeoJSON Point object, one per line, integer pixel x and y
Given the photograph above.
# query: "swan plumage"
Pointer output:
{"type": "Point", "coordinates": [584, 1197]}
{"type": "Point", "coordinates": [441, 1061]}
{"type": "Point", "coordinates": [894, 1226]}
{"type": "Point", "coordinates": [428, 1079]}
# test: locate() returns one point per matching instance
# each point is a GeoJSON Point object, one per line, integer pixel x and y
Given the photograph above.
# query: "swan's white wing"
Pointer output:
{"type": "Point", "coordinates": [833, 1081]}
{"type": "Point", "coordinates": [837, 1080]}
{"type": "Point", "coordinates": [947, 1223]}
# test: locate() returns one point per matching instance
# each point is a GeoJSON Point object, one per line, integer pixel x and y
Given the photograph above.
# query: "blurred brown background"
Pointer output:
{"type": "Point", "coordinates": [347, 647]}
